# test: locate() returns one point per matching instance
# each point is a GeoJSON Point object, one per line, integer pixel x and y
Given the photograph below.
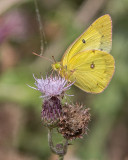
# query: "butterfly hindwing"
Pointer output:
{"type": "Point", "coordinates": [91, 70]}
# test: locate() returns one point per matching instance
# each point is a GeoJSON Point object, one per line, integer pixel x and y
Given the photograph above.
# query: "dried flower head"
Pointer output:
{"type": "Point", "coordinates": [74, 121]}
{"type": "Point", "coordinates": [51, 86]}
{"type": "Point", "coordinates": [51, 111]}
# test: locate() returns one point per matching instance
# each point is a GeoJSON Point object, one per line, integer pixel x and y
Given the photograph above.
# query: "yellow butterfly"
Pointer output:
{"type": "Point", "coordinates": [87, 61]}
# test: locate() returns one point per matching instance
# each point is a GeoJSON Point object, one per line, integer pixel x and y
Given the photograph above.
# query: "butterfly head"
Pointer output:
{"type": "Point", "coordinates": [56, 66]}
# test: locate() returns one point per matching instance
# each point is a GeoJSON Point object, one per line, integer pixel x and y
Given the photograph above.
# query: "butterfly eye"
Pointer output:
{"type": "Point", "coordinates": [57, 66]}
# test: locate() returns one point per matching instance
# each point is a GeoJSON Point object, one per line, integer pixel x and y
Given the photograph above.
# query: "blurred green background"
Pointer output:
{"type": "Point", "coordinates": [22, 136]}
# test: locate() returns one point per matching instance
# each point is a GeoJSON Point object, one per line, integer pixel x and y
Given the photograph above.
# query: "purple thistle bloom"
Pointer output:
{"type": "Point", "coordinates": [51, 86]}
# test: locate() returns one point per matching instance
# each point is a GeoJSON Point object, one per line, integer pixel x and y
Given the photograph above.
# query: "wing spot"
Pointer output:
{"type": "Point", "coordinates": [102, 36]}
{"type": "Point", "coordinates": [101, 49]}
{"type": "Point", "coordinates": [92, 66]}
{"type": "Point", "coordinates": [83, 40]}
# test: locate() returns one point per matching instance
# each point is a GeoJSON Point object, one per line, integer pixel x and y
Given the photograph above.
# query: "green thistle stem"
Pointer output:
{"type": "Point", "coordinates": [61, 157]}
{"type": "Point", "coordinates": [51, 145]}
{"type": "Point", "coordinates": [60, 151]}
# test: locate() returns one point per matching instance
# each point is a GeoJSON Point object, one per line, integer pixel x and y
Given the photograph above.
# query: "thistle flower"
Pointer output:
{"type": "Point", "coordinates": [74, 121]}
{"type": "Point", "coordinates": [51, 86]}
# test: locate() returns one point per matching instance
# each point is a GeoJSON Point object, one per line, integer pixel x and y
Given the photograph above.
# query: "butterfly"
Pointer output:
{"type": "Point", "coordinates": [87, 61]}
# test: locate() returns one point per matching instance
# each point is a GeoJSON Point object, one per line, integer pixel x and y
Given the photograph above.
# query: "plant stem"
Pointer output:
{"type": "Point", "coordinates": [51, 145]}
{"type": "Point", "coordinates": [42, 35]}
{"type": "Point", "coordinates": [61, 157]}
{"type": "Point", "coordinates": [60, 149]}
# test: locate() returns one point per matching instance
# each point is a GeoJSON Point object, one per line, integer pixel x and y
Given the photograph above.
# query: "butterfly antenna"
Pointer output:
{"type": "Point", "coordinates": [42, 34]}
{"type": "Point", "coordinates": [42, 57]}
{"type": "Point", "coordinates": [54, 59]}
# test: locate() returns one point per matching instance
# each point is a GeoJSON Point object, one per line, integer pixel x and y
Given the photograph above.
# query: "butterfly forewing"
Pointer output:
{"type": "Point", "coordinates": [91, 70]}
{"type": "Point", "coordinates": [98, 37]}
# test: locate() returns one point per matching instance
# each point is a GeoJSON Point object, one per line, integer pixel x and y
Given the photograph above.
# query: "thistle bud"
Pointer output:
{"type": "Point", "coordinates": [51, 111]}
